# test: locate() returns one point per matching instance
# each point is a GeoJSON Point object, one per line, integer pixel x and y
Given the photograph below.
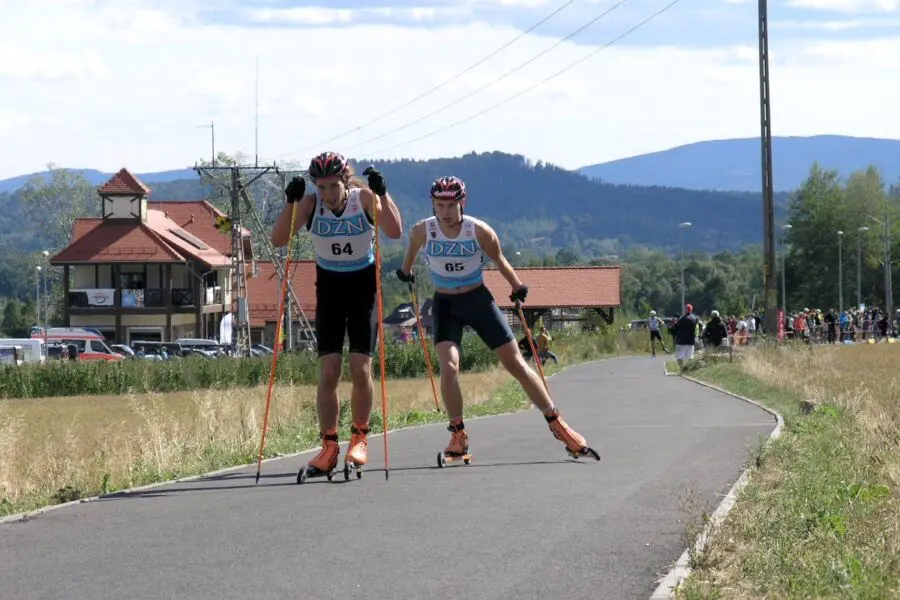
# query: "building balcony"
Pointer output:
{"type": "Point", "coordinates": [138, 299]}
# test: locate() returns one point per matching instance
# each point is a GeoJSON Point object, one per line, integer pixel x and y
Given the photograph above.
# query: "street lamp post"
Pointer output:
{"type": "Point", "coordinates": [37, 294]}
{"type": "Point", "coordinates": [46, 254]}
{"type": "Point", "coordinates": [683, 226]}
{"type": "Point", "coordinates": [785, 227]}
{"type": "Point", "coordinates": [860, 231]}
{"type": "Point", "coordinates": [888, 292]}
{"type": "Point", "coordinates": [840, 272]}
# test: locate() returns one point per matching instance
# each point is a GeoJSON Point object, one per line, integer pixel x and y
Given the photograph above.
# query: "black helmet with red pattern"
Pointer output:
{"type": "Point", "coordinates": [327, 164]}
{"type": "Point", "coordinates": [448, 188]}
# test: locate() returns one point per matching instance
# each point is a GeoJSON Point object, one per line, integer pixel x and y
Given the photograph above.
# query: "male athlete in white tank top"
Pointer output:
{"type": "Point", "coordinates": [455, 246]}
{"type": "Point", "coordinates": [339, 216]}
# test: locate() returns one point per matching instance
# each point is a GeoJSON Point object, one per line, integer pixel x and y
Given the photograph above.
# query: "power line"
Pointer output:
{"type": "Point", "coordinates": [435, 88]}
{"type": "Point", "coordinates": [528, 89]}
{"type": "Point", "coordinates": [490, 83]}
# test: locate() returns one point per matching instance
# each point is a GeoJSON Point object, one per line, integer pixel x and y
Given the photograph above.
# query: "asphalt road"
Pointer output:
{"type": "Point", "coordinates": [523, 521]}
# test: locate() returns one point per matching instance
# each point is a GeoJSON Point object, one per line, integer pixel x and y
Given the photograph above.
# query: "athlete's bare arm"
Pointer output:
{"type": "Point", "coordinates": [416, 242]}
{"type": "Point", "coordinates": [389, 220]}
{"type": "Point", "coordinates": [490, 245]}
{"type": "Point", "coordinates": [282, 230]}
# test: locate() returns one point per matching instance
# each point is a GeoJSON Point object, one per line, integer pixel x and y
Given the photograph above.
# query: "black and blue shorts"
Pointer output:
{"type": "Point", "coordinates": [476, 309]}
{"type": "Point", "coordinates": [345, 309]}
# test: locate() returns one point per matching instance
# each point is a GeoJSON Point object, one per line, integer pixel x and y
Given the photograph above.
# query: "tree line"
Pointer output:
{"type": "Point", "coordinates": [716, 275]}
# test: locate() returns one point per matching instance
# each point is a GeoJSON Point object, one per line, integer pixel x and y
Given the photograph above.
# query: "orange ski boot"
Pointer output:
{"type": "Point", "coordinates": [458, 448]}
{"type": "Point", "coordinates": [576, 445]}
{"type": "Point", "coordinates": [357, 452]}
{"type": "Point", "coordinates": [325, 461]}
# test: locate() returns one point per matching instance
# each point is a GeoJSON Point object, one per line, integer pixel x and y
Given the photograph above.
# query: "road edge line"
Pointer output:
{"type": "Point", "coordinates": [681, 569]}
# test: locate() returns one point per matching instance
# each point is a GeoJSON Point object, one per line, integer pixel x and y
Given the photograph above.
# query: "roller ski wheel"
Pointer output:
{"type": "Point", "coordinates": [352, 466]}
{"type": "Point", "coordinates": [584, 452]}
{"type": "Point", "coordinates": [309, 472]}
{"type": "Point", "coordinates": [444, 459]}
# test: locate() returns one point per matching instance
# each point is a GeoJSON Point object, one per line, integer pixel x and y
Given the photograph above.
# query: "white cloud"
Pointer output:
{"type": "Point", "coordinates": [155, 81]}
{"type": "Point", "coordinates": [838, 25]}
{"type": "Point", "coordinates": [848, 6]}
{"type": "Point", "coordinates": [313, 15]}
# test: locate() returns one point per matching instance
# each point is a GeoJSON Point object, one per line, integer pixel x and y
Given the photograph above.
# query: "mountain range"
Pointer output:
{"type": "Point", "coordinates": [736, 164]}
{"type": "Point", "coordinates": [537, 208]}
{"type": "Point", "coordinates": [721, 165]}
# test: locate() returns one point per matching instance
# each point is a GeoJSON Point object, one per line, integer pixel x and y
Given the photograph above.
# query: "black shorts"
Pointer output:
{"type": "Point", "coordinates": [345, 306]}
{"type": "Point", "coordinates": [475, 308]}
{"type": "Point", "coordinates": [654, 335]}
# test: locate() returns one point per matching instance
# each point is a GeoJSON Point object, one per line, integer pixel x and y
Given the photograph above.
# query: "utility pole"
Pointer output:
{"type": "Point", "coordinates": [769, 269]}
{"type": "Point", "coordinates": [888, 283]}
{"type": "Point", "coordinates": [241, 322]}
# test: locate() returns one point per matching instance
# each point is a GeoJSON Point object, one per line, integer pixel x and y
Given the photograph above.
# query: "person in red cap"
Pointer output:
{"type": "Point", "coordinates": [685, 335]}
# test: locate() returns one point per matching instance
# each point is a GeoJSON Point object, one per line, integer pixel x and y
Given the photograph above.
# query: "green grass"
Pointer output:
{"type": "Point", "coordinates": [820, 517]}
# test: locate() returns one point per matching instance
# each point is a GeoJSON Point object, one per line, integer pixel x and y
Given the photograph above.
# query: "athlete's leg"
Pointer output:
{"type": "Point", "coordinates": [327, 402]}
{"type": "Point", "coordinates": [447, 339]}
{"type": "Point", "coordinates": [513, 361]}
{"type": "Point", "coordinates": [483, 315]}
{"type": "Point", "coordinates": [330, 330]}
{"type": "Point", "coordinates": [448, 357]}
{"type": "Point", "coordinates": [362, 335]}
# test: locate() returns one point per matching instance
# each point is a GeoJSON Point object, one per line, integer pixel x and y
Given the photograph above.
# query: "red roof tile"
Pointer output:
{"type": "Point", "coordinates": [156, 240]}
{"type": "Point", "coordinates": [263, 291]}
{"type": "Point", "coordinates": [557, 287]}
{"type": "Point", "coordinates": [198, 217]}
{"type": "Point", "coordinates": [96, 240]}
{"type": "Point", "coordinates": [124, 182]}
{"type": "Point", "coordinates": [168, 230]}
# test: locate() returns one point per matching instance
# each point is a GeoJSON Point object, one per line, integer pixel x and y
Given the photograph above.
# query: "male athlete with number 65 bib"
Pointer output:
{"type": "Point", "coordinates": [455, 246]}
{"type": "Point", "coordinates": [339, 217]}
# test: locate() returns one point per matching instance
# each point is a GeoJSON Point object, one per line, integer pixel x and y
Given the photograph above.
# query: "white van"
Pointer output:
{"type": "Point", "coordinates": [33, 350]}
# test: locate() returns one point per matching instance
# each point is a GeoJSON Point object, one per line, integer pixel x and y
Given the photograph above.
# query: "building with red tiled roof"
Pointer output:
{"type": "Point", "coordinates": [555, 289]}
{"type": "Point", "coordinates": [147, 271]}
{"type": "Point", "coordinates": [263, 295]}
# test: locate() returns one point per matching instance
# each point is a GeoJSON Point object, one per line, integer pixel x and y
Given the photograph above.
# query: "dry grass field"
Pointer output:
{"type": "Point", "coordinates": [820, 517]}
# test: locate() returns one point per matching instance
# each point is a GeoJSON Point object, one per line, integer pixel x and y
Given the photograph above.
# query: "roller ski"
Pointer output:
{"type": "Point", "coordinates": [457, 449]}
{"type": "Point", "coordinates": [357, 452]}
{"type": "Point", "coordinates": [325, 462]}
{"type": "Point", "coordinates": [576, 445]}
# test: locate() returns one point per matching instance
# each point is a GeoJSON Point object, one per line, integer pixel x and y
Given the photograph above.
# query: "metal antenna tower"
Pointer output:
{"type": "Point", "coordinates": [241, 205]}
{"type": "Point", "coordinates": [293, 308]}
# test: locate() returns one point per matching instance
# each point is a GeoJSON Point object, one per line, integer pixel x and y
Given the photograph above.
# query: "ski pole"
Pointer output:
{"type": "Point", "coordinates": [537, 359]}
{"type": "Point", "coordinates": [415, 303]}
{"type": "Point", "coordinates": [275, 353]}
{"type": "Point", "coordinates": [378, 293]}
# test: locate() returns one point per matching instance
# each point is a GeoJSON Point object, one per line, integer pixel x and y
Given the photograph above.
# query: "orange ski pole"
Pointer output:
{"type": "Point", "coordinates": [275, 353]}
{"type": "Point", "coordinates": [415, 302]}
{"type": "Point", "coordinates": [537, 359]}
{"type": "Point", "coordinates": [378, 293]}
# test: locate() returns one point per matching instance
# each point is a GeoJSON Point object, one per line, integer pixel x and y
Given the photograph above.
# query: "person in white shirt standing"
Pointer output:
{"type": "Point", "coordinates": [654, 323]}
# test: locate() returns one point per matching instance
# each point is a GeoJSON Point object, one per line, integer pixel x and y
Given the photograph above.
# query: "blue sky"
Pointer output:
{"type": "Point", "coordinates": [111, 83]}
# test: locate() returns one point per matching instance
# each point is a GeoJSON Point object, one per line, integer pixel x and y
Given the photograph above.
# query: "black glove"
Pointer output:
{"type": "Point", "coordinates": [295, 190]}
{"type": "Point", "coordinates": [520, 294]}
{"type": "Point", "coordinates": [410, 278]}
{"type": "Point", "coordinates": [376, 181]}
